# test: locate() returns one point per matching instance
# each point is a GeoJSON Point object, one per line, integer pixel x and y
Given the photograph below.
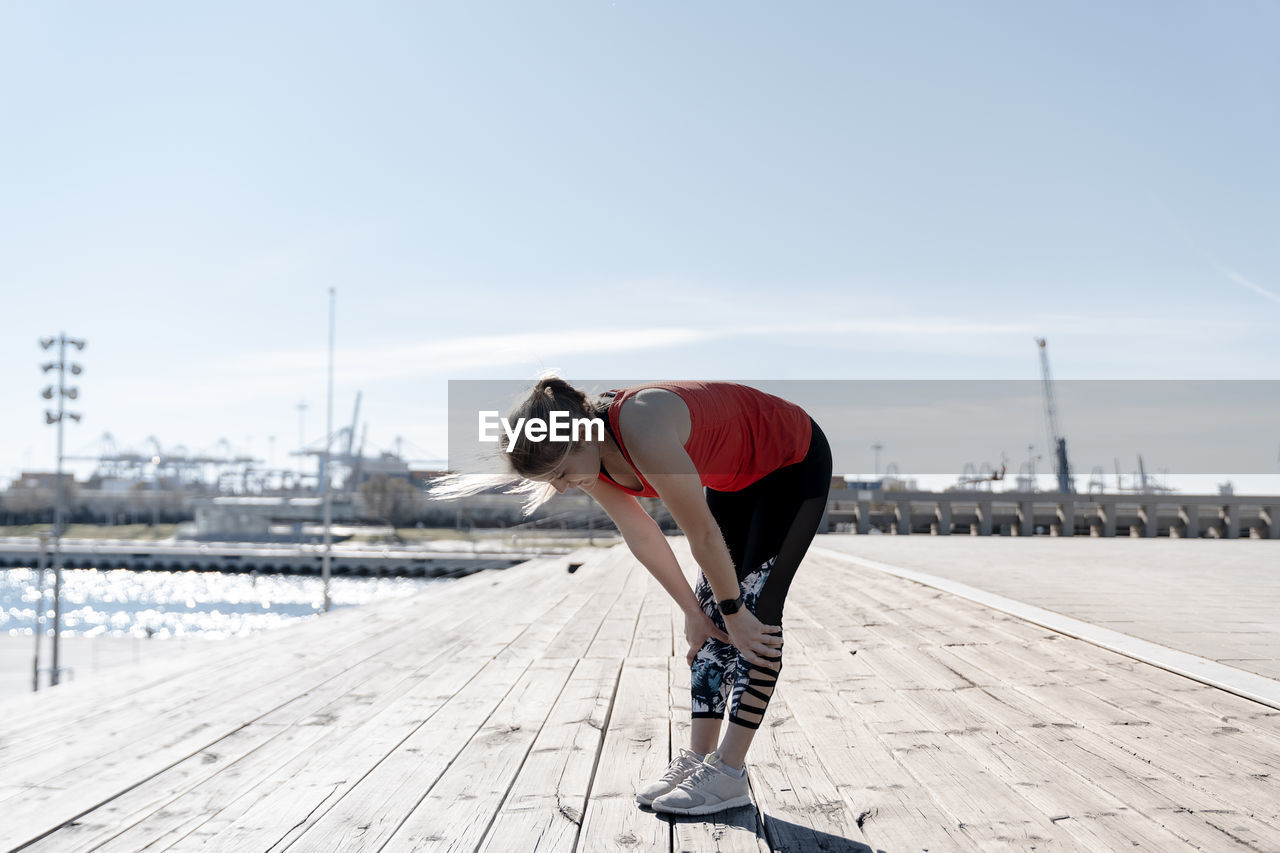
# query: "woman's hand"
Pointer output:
{"type": "Point", "coordinates": [697, 630]}
{"type": "Point", "coordinates": [752, 638]}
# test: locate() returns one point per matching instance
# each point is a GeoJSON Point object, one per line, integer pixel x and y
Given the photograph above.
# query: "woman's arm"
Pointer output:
{"type": "Point", "coordinates": [650, 547]}
{"type": "Point", "coordinates": [647, 543]}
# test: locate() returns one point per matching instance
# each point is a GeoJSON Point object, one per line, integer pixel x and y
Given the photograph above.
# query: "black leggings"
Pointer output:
{"type": "Point", "coordinates": [768, 527]}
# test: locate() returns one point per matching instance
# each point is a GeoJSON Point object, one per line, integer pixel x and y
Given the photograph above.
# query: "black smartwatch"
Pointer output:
{"type": "Point", "coordinates": [730, 605]}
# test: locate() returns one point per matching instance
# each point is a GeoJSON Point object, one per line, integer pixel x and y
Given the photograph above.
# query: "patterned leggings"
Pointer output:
{"type": "Point", "coordinates": [768, 527]}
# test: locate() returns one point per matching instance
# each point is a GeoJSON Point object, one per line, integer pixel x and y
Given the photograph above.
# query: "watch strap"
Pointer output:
{"type": "Point", "coordinates": [730, 605]}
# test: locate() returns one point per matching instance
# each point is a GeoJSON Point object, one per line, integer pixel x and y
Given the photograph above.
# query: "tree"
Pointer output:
{"type": "Point", "coordinates": [389, 498]}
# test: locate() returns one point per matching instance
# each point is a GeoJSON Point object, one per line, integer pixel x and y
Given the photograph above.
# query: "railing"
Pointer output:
{"type": "Point", "coordinates": [1055, 514]}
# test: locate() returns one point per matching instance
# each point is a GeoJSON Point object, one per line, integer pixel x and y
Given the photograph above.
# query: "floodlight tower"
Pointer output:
{"type": "Point", "coordinates": [63, 393]}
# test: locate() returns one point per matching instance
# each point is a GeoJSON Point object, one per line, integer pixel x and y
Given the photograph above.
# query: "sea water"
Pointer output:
{"type": "Point", "coordinates": [128, 603]}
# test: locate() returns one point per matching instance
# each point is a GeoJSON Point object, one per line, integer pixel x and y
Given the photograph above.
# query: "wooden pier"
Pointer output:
{"type": "Point", "coordinates": [519, 710]}
{"type": "Point", "coordinates": [259, 558]}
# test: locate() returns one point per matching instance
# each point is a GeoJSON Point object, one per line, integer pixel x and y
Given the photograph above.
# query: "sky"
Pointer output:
{"type": "Point", "coordinates": [840, 190]}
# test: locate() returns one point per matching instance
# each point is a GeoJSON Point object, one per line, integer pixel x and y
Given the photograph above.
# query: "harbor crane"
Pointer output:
{"type": "Point", "coordinates": [1056, 439]}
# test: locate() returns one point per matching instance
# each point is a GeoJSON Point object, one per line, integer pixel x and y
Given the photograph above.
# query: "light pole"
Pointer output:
{"type": "Point", "coordinates": [42, 554]}
{"type": "Point", "coordinates": [63, 393]}
{"type": "Point", "coordinates": [327, 560]}
{"type": "Point", "coordinates": [302, 443]}
{"type": "Point", "coordinates": [877, 447]}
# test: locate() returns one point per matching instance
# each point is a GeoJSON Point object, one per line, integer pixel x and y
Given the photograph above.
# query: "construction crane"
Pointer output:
{"type": "Point", "coordinates": [351, 430]}
{"type": "Point", "coordinates": [1059, 443]}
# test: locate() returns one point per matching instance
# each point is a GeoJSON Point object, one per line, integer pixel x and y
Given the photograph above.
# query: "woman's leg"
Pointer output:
{"type": "Point", "coordinates": [705, 735]}
{"type": "Point", "coordinates": [754, 683]}
{"type": "Point", "coordinates": [714, 669]}
{"type": "Point", "coordinates": [788, 508]}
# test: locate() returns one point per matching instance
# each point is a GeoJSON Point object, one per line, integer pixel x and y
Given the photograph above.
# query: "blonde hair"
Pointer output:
{"type": "Point", "coordinates": [528, 459]}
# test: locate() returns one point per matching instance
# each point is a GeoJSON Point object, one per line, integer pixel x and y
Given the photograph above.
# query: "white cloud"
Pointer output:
{"type": "Point", "coordinates": [443, 356]}
{"type": "Point", "coordinates": [1250, 285]}
{"type": "Point", "coordinates": [529, 351]}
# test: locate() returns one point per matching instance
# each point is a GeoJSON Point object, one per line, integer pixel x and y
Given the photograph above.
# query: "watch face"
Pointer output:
{"type": "Point", "coordinates": [730, 605]}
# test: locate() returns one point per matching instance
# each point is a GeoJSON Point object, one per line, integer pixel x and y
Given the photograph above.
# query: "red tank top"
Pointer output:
{"type": "Point", "coordinates": [737, 434]}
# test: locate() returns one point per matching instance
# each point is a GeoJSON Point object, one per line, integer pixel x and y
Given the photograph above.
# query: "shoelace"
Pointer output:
{"type": "Point", "coordinates": [679, 767]}
{"type": "Point", "coordinates": [700, 774]}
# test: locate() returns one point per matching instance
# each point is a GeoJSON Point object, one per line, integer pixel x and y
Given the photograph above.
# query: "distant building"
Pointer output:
{"type": "Point", "coordinates": [365, 468]}
{"type": "Point", "coordinates": [257, 519]}
{"type": "Point", "coordinates": [41, 480]}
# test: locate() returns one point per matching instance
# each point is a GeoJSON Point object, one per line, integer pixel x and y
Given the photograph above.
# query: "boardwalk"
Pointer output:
{"type": "Point", "coordinates": [1216, 599]}
{"type": "Point", "coordinates": [519, 710]}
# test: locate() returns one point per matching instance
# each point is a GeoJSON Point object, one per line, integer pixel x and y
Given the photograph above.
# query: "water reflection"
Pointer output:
{"type": "Point", "coordinates": [126, 603]}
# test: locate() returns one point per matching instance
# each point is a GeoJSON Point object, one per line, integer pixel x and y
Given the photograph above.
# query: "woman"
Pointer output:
{"type": "Point", "coordinates": [766, 469]}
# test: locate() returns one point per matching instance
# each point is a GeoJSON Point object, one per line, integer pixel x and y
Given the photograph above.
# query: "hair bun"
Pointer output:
{"type": "Point", "coordinates": [558, 387]}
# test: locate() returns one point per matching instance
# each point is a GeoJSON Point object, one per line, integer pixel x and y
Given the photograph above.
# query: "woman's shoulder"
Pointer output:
{"type": "Point", "coordinates": [650, 405]}
{"type": "Point", "coordinates": [649, 410]}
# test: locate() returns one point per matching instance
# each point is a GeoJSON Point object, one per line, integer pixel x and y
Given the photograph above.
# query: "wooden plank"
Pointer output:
{"type": "Point", "coordinates": [1096, 818]}
{"type": "Point", "coordinates": [537, 637]}
{"type": "Point", "coordinates": [70, 732]}
{"type": "Point", "coordinates": [369, 812]}
{"type": "Point", "coordinates": [1136, 717]}
{"type": "Point", "coordinates": [878, 744]}
{"type": "Point", "coordinates": [330, 780]}
{"type": "Point", "coordinates": [1091, 692]}
{"type": "Point", "coordinates": [573, 640]}
{"type": "Point", "coordinates": [246, 753]}
{"type": "Point", "coordinates": [986, 810]}
{"type": "Point", "coordinates": [636, 750]}
{"type": "Point", "coordinates": [1178, 693]}
{"type": "Point", "coordinates": [457, 810]}
{"type": "Point", "coordinates": [1204, 821]}
{"type": "Point", "coordinates": [544, 809]}
{"type": "Point", "coordinates": [282, 804]}
{"type": "Point", "coordinates": [802, 808]}
{"type": "Point", "coordinates": [618, 629]}
{"type": "Point", "coordinates": [653, 631]}
{"type": "Point", "coordinates": [1217, 755]}
{"type": "Point", "coordinates": [894, 811]}
{"type": "Point", "coordinates": [1090, 816]}
{"type": "Point", "coordinates": [527, 643]}
{"type": "Point", "coordinates": [1165, 689]}
{"type": "Point", "coordinates": [1061, 716]}
{"type": "Point", "coordinates": [81, 701]}
{"type": "Point", "coordinates": [461, 623]}
{"type": "Point", "coordinates": [75, 731]}
{"type": "Point", "coordinates": [1146, 779]}
{"type": "Point", "coordinates": [135, 751]}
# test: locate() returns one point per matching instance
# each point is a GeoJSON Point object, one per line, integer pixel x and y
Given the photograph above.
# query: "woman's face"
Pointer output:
{"type": "Point", "coordinates": [580, 468]}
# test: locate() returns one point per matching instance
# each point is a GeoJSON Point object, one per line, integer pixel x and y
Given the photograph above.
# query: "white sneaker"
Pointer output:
{"type": "Point", "coordinates": [680, 767]}
{"type": "Point", "coordinates": [711, 787]}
